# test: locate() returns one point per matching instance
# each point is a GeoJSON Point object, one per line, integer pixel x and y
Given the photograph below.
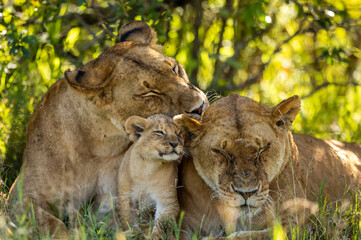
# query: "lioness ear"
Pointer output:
{"type": "Point", "coordinates": [135, 126]}
{"type": "Point", "coordinates": [190, 125]}
{"type": "Point", "coordinates": [92, 76]}
{"type": "Point", "coordinates": [140, 32]}
{"type": "Point", "coordinates": [286, 111]}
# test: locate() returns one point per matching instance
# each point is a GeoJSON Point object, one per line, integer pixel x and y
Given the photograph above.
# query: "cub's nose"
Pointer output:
{"type": "Point", "coordinates": [173, 144]}
{"type": "Point", "coordinates": [245, 193]}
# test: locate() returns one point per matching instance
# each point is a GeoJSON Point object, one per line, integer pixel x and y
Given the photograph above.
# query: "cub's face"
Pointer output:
{"type": "Point", "coordinates": [239, 148]}
{"type": "Point", "coordinates": [156, 138]}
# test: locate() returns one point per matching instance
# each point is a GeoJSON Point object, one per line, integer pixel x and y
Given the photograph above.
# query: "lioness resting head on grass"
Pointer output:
{"type": "Point", "coordinates": [246, 162]}
{"type": "Point", "coordinates": [148, 170]}
{"type": "Point", "coordinates": [75, 138]}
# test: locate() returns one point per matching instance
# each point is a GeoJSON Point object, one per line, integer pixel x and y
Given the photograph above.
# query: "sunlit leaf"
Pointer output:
{"type": "Point", "coordinates": [73, 36]}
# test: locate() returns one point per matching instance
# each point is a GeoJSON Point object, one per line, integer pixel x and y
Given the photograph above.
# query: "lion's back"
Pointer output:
{"type": "Point", "coordinates": [332, 164]}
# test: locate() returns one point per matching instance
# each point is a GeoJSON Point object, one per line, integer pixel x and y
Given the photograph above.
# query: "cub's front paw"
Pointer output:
{"type": "Point", "coordinates": [163, 231]}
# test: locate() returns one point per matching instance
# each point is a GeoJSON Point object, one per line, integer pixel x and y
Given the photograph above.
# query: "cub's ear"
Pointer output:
{"type": "Point", "coordinates": [286, 111]}
{"type": "Point", "coordinates": [93, 76]}
{"type": "Point", "coordinates": [191, 126]}
{"type": "Point", "coordinates": [140, 32]}
{"type": "Point", "coordinates": [135, 126]}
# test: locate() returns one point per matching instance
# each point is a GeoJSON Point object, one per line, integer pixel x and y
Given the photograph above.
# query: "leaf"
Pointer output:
{"type": "Point", "coordinates": [82, 3]}
{"type": "Point", "coordinates": [329, 60]}
{"type": "Point", "coordinates": [26, 52]}
{"type": "Point", "coordinates": [31, 39]}
{"type": "Point", "coordinates": [14, 50]}
{"type": "Point", "coordinates": [73, 36]}
{"type": "Point", "coordinates": [234, 63]}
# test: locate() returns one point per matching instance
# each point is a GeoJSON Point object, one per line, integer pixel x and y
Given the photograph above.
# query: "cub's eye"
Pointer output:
{"type": "Point", "coordinates": [176, 70]}
{"type": "Point", "coordinates": [155, 92]}
{"type": "Point", "coordinates": [160, 133]}
{"type": "Point", "coordinates": [179, 133]}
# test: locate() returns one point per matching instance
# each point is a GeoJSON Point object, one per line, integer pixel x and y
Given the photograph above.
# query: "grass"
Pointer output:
{"type": "Point", "coordinates": [339, 220]}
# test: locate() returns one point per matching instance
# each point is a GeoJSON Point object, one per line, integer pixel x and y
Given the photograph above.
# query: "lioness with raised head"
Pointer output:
{"type": "Point", "coordinates": [75, 138]}
{"type": "Point", "coordinates": [148, 170]}
{"type": "Point", "coordinates": [246, 162]}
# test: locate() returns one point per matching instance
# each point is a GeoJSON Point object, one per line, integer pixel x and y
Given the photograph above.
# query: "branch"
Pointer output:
{"type": "Point", "coordinates": [196, 43]}
{"type": "Point", "coordinates": [31, 21]}
{"type": "Point", "coordinates": [108, 30]}
{"type": "Point", "coordinates": [232, 71]}
{"type": "Point", "coordinates": [326, 84]}
{"type": "Point", "coordinates": [318, 13]}
{"type": "Point", "coordinates": [95, 40]}
{"type": "Point", "coordinates": [253, 79]}
{"type": "Point", "coordinates": [104, 18]}
{"type": "Point", "coordinates": [85, 25]}
{"type": "Point", "coordinates": [217, 68]}
{"type": "Point", "coordinates": [241, 45]}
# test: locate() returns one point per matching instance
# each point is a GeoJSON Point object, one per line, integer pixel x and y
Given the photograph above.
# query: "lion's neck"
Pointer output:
{"type": "Point", "coordinates": [291, 155]}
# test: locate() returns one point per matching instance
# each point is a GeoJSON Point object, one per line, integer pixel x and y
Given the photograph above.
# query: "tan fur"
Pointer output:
{"type": "Point", "coordinates": [75, 138]}
{"type": "Point", "coordinates": [148, 170]}
{"type": "Point", "coordinates": [291, 168]}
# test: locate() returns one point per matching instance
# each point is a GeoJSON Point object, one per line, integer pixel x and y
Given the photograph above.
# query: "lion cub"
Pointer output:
{"type": "Point", "coordinates": [148, 169]}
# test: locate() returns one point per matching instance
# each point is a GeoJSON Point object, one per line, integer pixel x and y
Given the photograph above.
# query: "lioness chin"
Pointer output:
{"type": "Point", "coordinates": [75, 138]}
{"type": "Point", "coordinates": [246, 164]}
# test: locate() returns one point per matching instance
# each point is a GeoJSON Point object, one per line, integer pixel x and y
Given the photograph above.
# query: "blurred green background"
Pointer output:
{"type": "Point", "coordinates": [267, 50]}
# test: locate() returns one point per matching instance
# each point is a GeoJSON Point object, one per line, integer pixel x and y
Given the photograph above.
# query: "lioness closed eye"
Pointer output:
{"type": "Point", "coordinates": [148, 169]}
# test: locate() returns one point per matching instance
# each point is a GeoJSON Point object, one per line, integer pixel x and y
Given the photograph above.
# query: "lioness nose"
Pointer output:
{"type": "Point", "coordinates": [243, 193]}
{"type": "Point", "coordinates": [173, 144]}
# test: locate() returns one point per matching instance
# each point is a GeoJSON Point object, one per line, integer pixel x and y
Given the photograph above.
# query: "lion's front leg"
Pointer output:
{"type": "Point", "coordinates": [296, 211]}
{"type": "Point", "coordinates": [123, 203]}
{"type": "Point", "coordinates": [260, 234]}
{"type": "Point", "coordinates": [229, 217]}
{"type": "Point", "coordinates": [73, 213]}
{"type": "Point", "coordinates": [124, 212]}
{"type": "Point", "coordinates": [46, 221]}
{"type": "Point", "coordinates": [167, 209]}
{"type": "Point", "coordinates": [105, 192]}
{"type": "Point", "coordinates": [40, 209]}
